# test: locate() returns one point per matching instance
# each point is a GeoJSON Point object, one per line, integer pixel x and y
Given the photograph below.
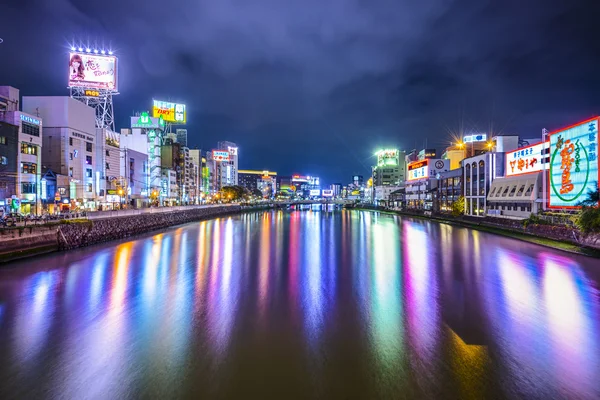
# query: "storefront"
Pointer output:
{"type": "Point", "coordinates": [515, 197]}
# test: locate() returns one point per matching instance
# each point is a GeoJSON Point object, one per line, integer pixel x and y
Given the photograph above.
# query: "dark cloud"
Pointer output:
{"type": "Point", "coordinates": [316, 85]}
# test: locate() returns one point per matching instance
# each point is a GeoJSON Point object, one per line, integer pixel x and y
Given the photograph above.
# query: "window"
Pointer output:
{"type": "Point", "coordinates": [521, 189]}
{"type": "Point", "coordinates": [2, 139]}
{"type": "Point", "coordinates": [3, 160]}
{"type": "Point", "coordinates": [26, 148]}
{"type": "Point", "coordinates": [529, 190]}
{"type": "Point", "coordinates": [493, 191]}
{"type": "Point", "coordinates": [30, 129]}
{"type": "Point", "coordinates": [28, 168]}
{"type": "Point", "coordinates": [512, 191]}
{"type": "Point", "coordinates": [62, 191]}
{"type": "Point", "coordinates": [70, 141]}
{"type": "Point", "coordinates": [28, 188]}
{"type": "Point", "coordinates": [107, 166]}
{"type": "Point", "coordinates": [88, 147]}
{"type": "Point", "coordinates": [88, 188]}
{"type": "Point", "coordinates": [107, 153]}
{"type": "Point", "coordinates": [88, 173]}
{"type": "Point", "coordinates": [70, 156]}
{"type": "Point", "coordinates": [71, 172]}
{"type": "Point", "coordinates": [505, 191]}
{"type": "Point", "coordinates": [88, 160]}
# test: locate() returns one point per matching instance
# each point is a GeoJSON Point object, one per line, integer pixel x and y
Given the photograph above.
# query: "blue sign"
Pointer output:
{"type": "Point", "coordinates": [31, 120]}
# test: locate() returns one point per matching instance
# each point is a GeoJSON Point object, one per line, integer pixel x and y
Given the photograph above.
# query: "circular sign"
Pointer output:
{"type": "Point", "coordinates": [439, 164]}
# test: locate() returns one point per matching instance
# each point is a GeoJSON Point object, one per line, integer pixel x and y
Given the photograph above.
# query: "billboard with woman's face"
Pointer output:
{"type": "Point", "coordinates": [92, 71]}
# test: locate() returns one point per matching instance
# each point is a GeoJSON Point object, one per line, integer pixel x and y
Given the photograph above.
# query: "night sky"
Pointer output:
{"type": "Point", "coordinates": [316, 86]}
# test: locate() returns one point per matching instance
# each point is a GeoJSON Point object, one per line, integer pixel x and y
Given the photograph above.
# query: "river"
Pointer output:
{"type": "Point", "coordinates": [302, 304]}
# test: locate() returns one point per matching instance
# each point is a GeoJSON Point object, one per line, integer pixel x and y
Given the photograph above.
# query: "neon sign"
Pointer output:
{"type": "Point", "coordinates": [573, 164]}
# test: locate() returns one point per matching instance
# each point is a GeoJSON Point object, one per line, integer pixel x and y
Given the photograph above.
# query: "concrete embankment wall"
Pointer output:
{"type": "Point", "coordinates": [22, 242]}
{"type": "Point", "coordinates": [102, 230]}
{"type": "Point", "coordinates": [26, 241]}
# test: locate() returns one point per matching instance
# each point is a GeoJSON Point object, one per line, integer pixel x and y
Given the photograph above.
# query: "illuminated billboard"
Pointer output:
{"type": "Point", "coordinates": [482, 137]}
{"type": "Point", "coordinates": [418, 170]}
{"type": "Point", "coordinates": [426, 168]}
{"type": "Point", "coordinates": [387, 157]}
{"type": "Point", "coordinates": [92, 71]}
{"type": "Point", "coordinates": [171, 112]}
{"type": "Point", "coordinates": [527, 159]}
{"type": "Point", "coordinates": [327, 193]}
{"type": "Point", "coordinates": [315, 192]}
{"type": "Point", "coordinates": [232, 150]}
{"type": "Point", "coordinates": [573, 164]}
{"type": "Point", "coordinates": [144, 121]}
{"type": "Point", "coordinates": [220, 155]}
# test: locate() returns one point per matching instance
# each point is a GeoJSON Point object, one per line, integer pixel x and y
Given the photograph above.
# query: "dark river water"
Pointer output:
{"type": "Point", "coordinates": [302, 304]}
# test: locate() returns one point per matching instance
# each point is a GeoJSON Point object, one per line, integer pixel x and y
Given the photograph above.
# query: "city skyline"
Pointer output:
{"type": "Point", "coordinates": [300, 84]}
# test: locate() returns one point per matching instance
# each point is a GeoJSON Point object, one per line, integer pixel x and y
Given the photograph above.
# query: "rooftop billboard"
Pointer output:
{"type": "Point", "coordinates": [171, 112]}
{"type": "Point", "coordinates": [573, 164]}
{"type": "Point", "coordinates": [92, 71]}
{"type": "Point", "coordinates": [387, 157]}
{"type": "Point", "coordinates": [526, 160]}
{"type": "Point", "coordinates": [220, 155]}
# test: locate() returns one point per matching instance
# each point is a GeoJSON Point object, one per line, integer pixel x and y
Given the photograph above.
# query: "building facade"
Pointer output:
{"type": "Point", "coordinates": [69, 144]}
{"type": "Point", "coordinates": [449, 189]}
{"type": "Point", "coordinates": [478, 174]}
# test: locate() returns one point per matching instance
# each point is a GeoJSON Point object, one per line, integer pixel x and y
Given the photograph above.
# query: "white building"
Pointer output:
{"type": "Point", "coordinates": [28, 188]}
{"type": "Point", "coordinates": [478, 174]}
{"type": "Point", "coordinates": [228, 170]}
{"type": "Point", "coordinates": [69, 144]}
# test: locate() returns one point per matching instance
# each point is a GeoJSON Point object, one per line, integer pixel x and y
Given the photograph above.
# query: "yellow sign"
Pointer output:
{"type": "Point", "coordinates": [92, 93]}
{"type": "Point", "coordinates": [171, 112]}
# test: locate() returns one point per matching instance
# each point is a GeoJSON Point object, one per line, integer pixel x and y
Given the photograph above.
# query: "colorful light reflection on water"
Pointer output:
{"type": "Point", "coordinates": [303, 304]}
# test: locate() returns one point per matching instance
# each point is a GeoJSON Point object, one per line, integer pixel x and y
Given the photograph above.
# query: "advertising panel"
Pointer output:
{"type": "Point", "coordinates": [232, 150]}
{"type": "Point", "coordinates": [418, 170]}
{"type": "Point", "coordinates": [220, 155]}
{"type": "Point", "coordinates": [387, 157]}
{"type": "Point", "coordinates": [315, 192]}
{"type": "Point", "coordinates": [144, 121]}
{"type": "Point", "coordinates": [92, 71]}
{"type": "Point", "coordinates": [171, 112]}
{"type": "Point", "coordinates": [573, 164]}
{"type": "Point", "coordinates": [526, 160]}
{"type": "Point", "coordinates": [482, 137]}
{"type": "Point", "coordinates": [327, 193]}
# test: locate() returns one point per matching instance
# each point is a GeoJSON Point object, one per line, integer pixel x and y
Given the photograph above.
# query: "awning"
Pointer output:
{"type": "Point", "coordinates": [522, 188]}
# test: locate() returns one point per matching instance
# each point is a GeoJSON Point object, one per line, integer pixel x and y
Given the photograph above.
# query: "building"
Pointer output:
{"type": "Point", "coordinates": [337, 189]}
{"type": "Point", "coordinates": [172, 159]}
{"type": "Point", "coordinates": [303, 184]}
{"type": "Point", "coordinates": [265, 181]}
{"type": "Point", "coordinates": [108, 175]}
{"type": "Point", "coordinates": [68, 144]}
{"type": "Point", "coordinates": [146, 137]}
{"type": "Point", "coordinates": [169, 192]}
{"type": "Point", "coordinates": [422, 182]}
{"type": "Point", "coordinates": [382, 194]}
{"type": "Point", "coordinates": [182, 137]}
{"type": "Point", "coordinates": [478, 174]}
{"type": "Point", "coordinates": [426, 154]}
{"type": "Point", "coordinates": [358, 180]}
{"type": "Point", "coordinates": [228, 167]}
{"type": "Point", "coordinates": [9, 167]}
{"type": "Point", "coordinates": [515, 197]}
{"type": "Point", "coordinates": [199, 163]}
{"type": "Point", "coordinates": [134, 167]}
{"type": "Point", "coordinates": [22, 155]}
{"type": "Point", "coordinates": [520, 192]}
{"type": "Point", "coordinates": [390, 169]}
{"type": "Point", "coordinates": [449, 189]}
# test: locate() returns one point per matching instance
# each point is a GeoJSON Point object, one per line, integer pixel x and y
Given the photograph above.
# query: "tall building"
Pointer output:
{"type": "Point", "coordinates": [265, 181]}
{"type": "Point", "coordinates": [229, 168]}
{"type": "Point", "coordinates": [109, 175]}
{"type": "Point", "coordinates": [181, 135]}
{"type": "Point", "coordinates": [146, 137]}
{"type": "Point", "coordinates": [69, 144]}
{"type": "Point", "coordinates": [197, 161]}
{"type": "Point", "coordinates": [390, 169]}
{"type": "Point", "coordinates": [21, 153]}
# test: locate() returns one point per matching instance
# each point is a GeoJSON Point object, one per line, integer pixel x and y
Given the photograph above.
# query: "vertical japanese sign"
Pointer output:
{"type": "Point", "coordinates": [573, 164]}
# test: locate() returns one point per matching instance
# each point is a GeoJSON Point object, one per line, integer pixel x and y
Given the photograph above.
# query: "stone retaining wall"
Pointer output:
{"type": "Point", "coordinates": [71, 236]}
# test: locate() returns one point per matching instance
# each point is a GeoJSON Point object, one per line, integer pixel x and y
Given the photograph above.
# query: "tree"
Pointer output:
{"type": "Point", "coordinates": [257, 193]}
{"type": "Point", "coordinates": [234, 193]}
{"type": "Point", "coordinates": [458, 207]}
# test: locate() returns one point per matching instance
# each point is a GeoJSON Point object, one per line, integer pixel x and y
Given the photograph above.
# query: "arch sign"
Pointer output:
{"type": "Point", "coordinates": [573, 164]}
